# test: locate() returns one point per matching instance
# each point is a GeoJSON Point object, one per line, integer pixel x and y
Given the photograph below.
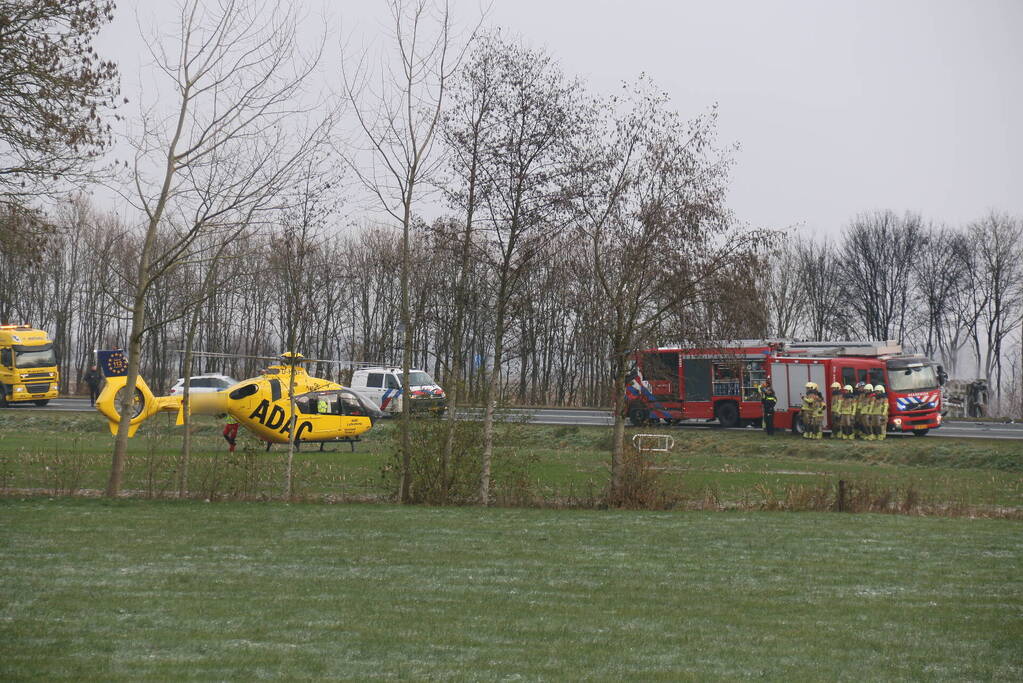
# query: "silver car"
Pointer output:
{"type": "Point", "coordinates": [203, 384]}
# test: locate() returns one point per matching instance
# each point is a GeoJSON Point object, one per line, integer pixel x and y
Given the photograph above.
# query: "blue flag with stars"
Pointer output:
{"type": "Point", "coordinates": [112, 363]}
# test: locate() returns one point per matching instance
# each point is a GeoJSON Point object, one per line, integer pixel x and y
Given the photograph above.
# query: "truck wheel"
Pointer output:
{"type": "Point", "coordinates": [920, 432]}
{"type": "Point", "coordinates": [3, 398]}
{"type": "Point", "coordinates": [41, 402]}
{"type": "Point", "coordinates": [638, 416]}
{"type": "Point", "coordinates": [727, 414]}
{"type": "Point", "coordinates": [797, 424]}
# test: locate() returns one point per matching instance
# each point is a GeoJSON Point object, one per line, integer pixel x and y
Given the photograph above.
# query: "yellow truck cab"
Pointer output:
{"type": "Point", "coordinates": [28, 366]}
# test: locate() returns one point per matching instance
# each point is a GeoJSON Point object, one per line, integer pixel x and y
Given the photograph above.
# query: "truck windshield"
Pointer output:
{"type": "Point", "coordinates": [914, 378]}
{"type": "Point", "coordinates": [418, 379]}
{"type": "Point", "coordinates": [34, 356]}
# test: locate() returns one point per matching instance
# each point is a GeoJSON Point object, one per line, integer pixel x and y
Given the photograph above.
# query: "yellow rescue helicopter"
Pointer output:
{"type": "Point", "coordinates": [325, 411]}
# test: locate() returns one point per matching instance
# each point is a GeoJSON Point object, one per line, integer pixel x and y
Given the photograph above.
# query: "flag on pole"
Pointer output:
{"type": "Point", "coordinates": [112, 363]}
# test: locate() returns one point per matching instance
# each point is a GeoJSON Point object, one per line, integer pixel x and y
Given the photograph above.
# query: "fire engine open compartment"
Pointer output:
{"type": "Point", "coordinates": [721, 381]}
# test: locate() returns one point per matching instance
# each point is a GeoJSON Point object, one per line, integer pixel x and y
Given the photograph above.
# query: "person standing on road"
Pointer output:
{"type": "Point", "coordinates": [94, 378]}
{"type": "Point", "coordinates": [768, 400]}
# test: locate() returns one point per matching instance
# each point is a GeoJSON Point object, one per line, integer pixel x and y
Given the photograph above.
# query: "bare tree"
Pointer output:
{"type": "Point", "coordinates": [826, 312]}
{"type": "Point", "coordinates": [399, 122]}
{"type": "Point", "coordinates": [651, 214]}
{"type": "Point", "coordinates": [786, 296]}
{"type": "Point", "coordinates": [223, 155]}
{"type": "Point", "coordinates": [998, 242]}
{"type": "Point", "coordinates": [522, 171]}
{"type": "Point", "coordinates": [940, 272]}
{"type": "Point", "coordinates": [875, 262]}
{"type": "Point", "coordinates": [54, 92]}
{"type": "Point", "coordinates": [467, 132]}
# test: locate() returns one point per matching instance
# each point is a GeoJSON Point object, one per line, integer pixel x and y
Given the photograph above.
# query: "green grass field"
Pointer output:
{"type": "Point", "coordinates": [170, 590]}
{"type": "Point", "coordinates": [50, 453]}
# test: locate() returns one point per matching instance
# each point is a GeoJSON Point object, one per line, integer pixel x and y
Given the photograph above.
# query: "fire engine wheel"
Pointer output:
{"type": "Point", "coordinates": [797, 424]}
{"type": "Point", "coordinates": [920, 432]}
{"type": "Point", "coordinates": [727, 414]}
{"type": "Point", "coordinates": [639, 416]}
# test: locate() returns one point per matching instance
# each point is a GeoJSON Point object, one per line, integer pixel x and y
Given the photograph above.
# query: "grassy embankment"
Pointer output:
{"type": "Point", "coordinates": [62, 453]}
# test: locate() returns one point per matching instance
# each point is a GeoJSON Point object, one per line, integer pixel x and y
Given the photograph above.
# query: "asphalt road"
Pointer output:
{"type": "Point", "coordinates": [955, 429]}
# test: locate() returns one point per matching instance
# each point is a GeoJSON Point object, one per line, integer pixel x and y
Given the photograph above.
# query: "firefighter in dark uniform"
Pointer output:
{"type": "Point", "coordinates": [768, 400]}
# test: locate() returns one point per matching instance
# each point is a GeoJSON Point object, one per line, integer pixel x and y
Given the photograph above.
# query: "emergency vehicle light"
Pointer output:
{"type": "Point", "coordinates": [22, 326]}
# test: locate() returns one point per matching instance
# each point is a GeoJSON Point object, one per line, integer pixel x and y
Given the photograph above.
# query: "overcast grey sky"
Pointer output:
{"type": "Point", "coordinates": [839, 107]}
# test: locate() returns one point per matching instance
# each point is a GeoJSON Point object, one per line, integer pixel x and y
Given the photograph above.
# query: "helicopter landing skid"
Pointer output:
{"type": "Point", "coordinates": [298, 444]}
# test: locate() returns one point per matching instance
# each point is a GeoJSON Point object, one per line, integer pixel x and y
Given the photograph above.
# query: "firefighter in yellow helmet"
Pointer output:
{"type": "Point", "coordinates": [808, 414]}
{"type": "Point", "coordinates": [836, 398]}
{"type": "Point", "coordinates": [847, 413]}
{"type": "Point", "coordinates": [881, 414]}
{"type": "Point", "coordinates": [822, 412]}
{"type": "Point", "coordinates": [869, 410]}
{"type": "Point", "coordinates": [818, 411]}
{"type": "Point", "coordinates": [865, 406]}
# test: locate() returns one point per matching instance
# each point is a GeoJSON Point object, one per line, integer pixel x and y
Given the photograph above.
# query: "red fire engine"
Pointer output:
{"type": "Point", "coordinates": [721, 381]}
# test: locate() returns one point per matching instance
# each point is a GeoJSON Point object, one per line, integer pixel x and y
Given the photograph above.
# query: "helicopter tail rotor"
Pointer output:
{"type": "Point", "coordinates": [143, 404]}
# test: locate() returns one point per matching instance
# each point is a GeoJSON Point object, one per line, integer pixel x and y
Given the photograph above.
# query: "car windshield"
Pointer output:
{"type": "Point", "coordinates": [29, 357]}
{"type": "Point", "coordinates": [418, 379]}
{"type": "Point", "coordinates": [914, 378]}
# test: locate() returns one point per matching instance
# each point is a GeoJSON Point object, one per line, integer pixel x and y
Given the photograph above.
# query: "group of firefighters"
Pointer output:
{"type": "Point", "coordinates": [859, 412]}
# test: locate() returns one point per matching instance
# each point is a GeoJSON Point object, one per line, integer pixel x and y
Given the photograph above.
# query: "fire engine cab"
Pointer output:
{"type": "Point", "coordinates": [721, 381]}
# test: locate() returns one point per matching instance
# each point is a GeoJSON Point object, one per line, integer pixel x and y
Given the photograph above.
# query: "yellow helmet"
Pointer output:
{"type": "Point", "coordinates": [868, 387]}
{"type": "Point", "coordinates": [809, 385]}
{"type": "Point", "coordinates": [836, 385]}
{"type": "Point", "coordinates": [847, 387]}
{"type": "Point", "coordinates": [879, 388]}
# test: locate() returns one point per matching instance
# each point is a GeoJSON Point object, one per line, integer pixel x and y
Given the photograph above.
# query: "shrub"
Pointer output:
{"type": "Point", "coordinates": [434, 481]}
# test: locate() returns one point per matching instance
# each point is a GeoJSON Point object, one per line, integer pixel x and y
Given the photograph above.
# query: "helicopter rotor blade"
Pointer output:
{"type": "Point", "coordinates": [279, 359]}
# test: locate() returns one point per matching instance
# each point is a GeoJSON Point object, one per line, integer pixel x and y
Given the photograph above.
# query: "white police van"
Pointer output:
{"type": "Point", "coordinates": [383, 386]}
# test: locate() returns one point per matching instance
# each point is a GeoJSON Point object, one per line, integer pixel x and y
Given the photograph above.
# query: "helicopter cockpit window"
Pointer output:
{"type": "Point", "coordinates": [243, 391]}
{"type": "Point", "coordinates": [275, 390]}
{"type": "Point", "coordinates": [306, 403]}
{"type": "Point", "coordinates": [350, 403]}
